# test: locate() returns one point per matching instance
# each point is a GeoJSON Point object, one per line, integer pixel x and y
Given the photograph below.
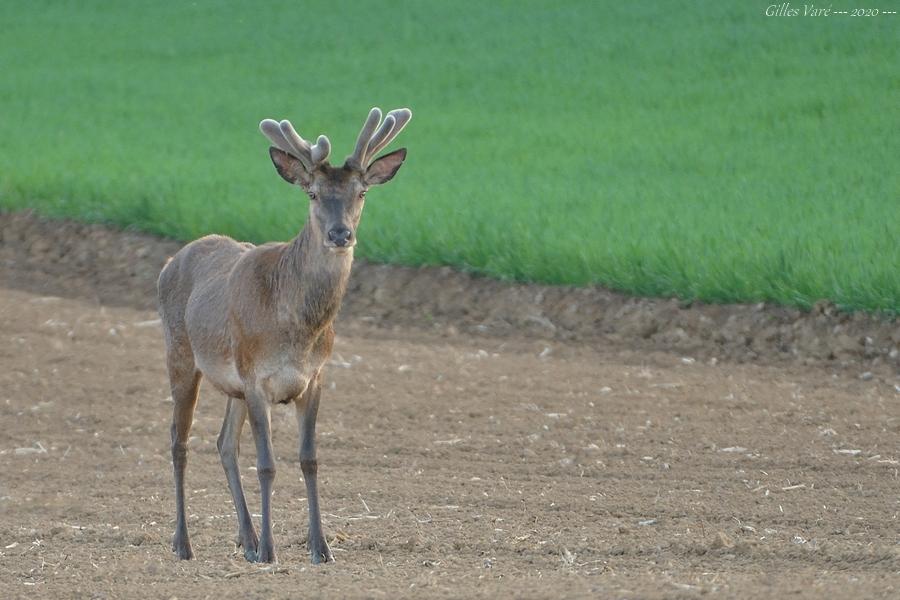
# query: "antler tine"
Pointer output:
{"type": "Point", "coordinates": [321, 150]}
{"type": "Point", "coordinates": [385, 133]}
{"type": "Point", "coordinates": [301, 146]}
{"type": "Point", "coordinates": [314, 154]}
{"type": "Point", "coordinates": [379, 136]}
{"type": "Point", "coordinates": [283, 136]}
{"type": "Point", "coordinates": [272, 130]}
{"type": "Point", "coordinates": [362, 142]}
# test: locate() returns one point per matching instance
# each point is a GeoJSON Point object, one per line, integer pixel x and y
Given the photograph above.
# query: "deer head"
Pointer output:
{"type": "Point", "coordinates": [337, 194]}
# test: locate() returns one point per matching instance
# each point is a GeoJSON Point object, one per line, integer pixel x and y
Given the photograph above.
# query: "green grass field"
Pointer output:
{"type": "Point", "coordinates": [701, 150]}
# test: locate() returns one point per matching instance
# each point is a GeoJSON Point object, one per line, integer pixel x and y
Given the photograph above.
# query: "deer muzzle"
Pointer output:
{"type": "Point", "coordinates": [340, 237]}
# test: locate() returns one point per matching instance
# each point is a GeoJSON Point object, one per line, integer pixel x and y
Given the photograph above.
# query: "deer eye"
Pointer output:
{"type": "Point", "coordinates": [313, 196]}
{"type": "Point", "coordinates": [362, 195]}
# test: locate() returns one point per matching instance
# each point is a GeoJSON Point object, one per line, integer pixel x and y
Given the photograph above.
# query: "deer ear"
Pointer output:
{"type": "Point", "coordinates": [384, 168]}
{"type": "Point", "coordinates": [290, 168]}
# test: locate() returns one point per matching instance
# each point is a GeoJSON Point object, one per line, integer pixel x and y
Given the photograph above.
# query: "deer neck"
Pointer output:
{"type": "Point", "coordinates": [313, 280]}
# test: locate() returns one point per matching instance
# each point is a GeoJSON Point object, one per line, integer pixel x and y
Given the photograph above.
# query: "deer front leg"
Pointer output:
{"type": "Point", "coordinates": [229, 444]}
{"type": "Point", "coordinates": [307, 410]}
{"type": "Point", "coordinates": [259, 410]}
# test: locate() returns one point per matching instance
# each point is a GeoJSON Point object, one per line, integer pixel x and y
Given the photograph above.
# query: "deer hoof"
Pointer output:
{"type": "Point", "coordinates": [263, 555]}
{"type": "Point", "coordinates": [322, 556]}
{"type": "Point", "coordinates": [182, 548]}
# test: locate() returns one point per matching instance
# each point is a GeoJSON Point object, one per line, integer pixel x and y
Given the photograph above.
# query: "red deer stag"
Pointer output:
{"type": "Point", "coordinates": [256, 321]}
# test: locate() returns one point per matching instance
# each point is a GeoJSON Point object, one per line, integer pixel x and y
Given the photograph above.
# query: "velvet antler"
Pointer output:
{"type": "Point", "coordinates": [373, 138]}
{"type": "Point", "coordinates": [285, 137]}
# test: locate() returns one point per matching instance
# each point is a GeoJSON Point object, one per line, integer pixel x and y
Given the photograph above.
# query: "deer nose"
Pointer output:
{"type": "Point", "coordinates": [341, 236]}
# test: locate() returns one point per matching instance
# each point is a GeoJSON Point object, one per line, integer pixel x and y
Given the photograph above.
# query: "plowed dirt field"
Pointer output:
{"type": "Point", "coordinates": [450, 465]}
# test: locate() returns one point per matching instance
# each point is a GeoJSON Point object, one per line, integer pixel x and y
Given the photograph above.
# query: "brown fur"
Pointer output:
{"type": "Point", "coordinates": [249, 302]}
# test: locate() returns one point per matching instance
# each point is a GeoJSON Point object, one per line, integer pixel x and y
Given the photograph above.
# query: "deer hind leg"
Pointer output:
{"type": "Point", "coordinates": [229, 444]}
{"type": "Point", "coordinates": [185, 382]}
{"type": "Point", "coordinates": [259, 411]}
{"type": "Point", "coordinates": [307, 410]}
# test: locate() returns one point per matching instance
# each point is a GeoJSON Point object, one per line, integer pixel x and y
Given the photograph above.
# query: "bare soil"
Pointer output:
{"type": "Point", "coordinates": [476, 439]}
